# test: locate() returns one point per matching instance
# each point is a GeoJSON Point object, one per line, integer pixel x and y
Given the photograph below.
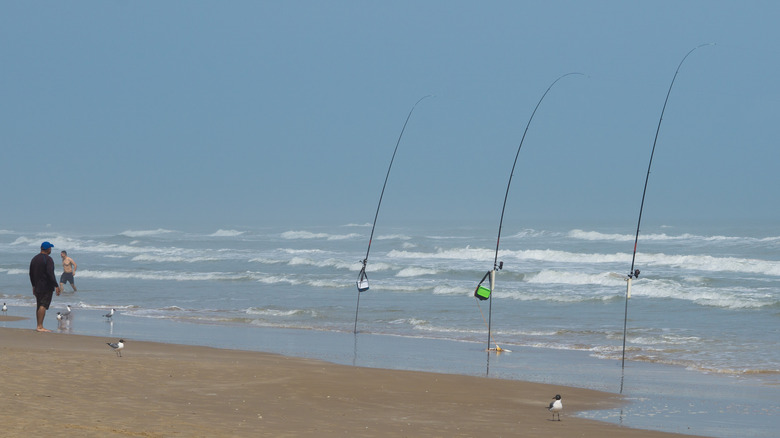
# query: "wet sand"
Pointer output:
{"type": "Point", "coordinates": [72, 385]}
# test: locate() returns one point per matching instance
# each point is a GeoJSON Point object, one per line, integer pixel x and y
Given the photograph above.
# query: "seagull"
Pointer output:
{"type": "Point", "coordinates": [109, 314]}
{"type": "Point", "coordinates": [556, 407]}
{"type": "Point", "coordinates": [5, 308]}
{"type": "Point", "coordinates": [117, 346]}
{"type": "Point", "coordinates": [59, 316]}
{"type": "Point", "coordinates": [66, 314]}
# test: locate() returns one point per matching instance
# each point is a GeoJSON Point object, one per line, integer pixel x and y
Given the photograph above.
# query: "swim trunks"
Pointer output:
{"type": "Point", "coordinates": [66, 277]}
{"type": "Point", "coordinates": [43, 299]}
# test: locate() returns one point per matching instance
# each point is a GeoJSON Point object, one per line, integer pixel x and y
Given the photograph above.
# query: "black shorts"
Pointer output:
{"type": "Point", "coordinates": [66, 277]}
{"type": "Point", "coordinates": [43, 299]}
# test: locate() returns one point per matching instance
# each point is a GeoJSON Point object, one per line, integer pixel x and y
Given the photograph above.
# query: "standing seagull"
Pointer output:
{"type": "Point", "coordinates": [66, 314]}
{"type": "Point", "coordinates": [556, 407]}
{"type": "Point", "coordinates": [117, 346]}
{"type": "Point", "coordinates": [109, 314]}
{"type": "Point", "coordinates": [5, 308]}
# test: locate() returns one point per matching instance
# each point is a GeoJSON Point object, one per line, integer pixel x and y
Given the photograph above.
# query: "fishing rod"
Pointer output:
{"type": "Point", "coordinates": [362, 281]}
{"type": "Point", "coordinates": [481, 292]}
{"type": "Point", "coordinates": [634, 273]}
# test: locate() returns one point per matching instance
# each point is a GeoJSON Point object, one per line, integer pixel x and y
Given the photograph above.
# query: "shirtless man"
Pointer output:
{"type": "Point", "coordinates": [68, 269]}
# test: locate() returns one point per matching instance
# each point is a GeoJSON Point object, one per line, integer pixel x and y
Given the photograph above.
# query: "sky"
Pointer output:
{"type": "Point", "coordinates": [252, 113]}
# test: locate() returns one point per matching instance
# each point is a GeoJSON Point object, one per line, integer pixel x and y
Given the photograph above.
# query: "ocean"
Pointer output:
{"type": "Point", "coordinates": [703, 324]}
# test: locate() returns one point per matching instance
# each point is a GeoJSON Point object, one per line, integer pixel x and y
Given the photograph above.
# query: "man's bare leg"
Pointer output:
{"type": "Point", "coordinates": [40, 314]}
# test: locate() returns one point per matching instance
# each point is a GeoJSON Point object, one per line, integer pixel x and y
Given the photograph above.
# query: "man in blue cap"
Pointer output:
{"type": "Point", "coordinates": [43, 281]}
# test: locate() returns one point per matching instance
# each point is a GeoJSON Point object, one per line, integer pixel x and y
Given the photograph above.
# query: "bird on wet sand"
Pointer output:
{"type": "Point", "coordinates": [556, 407]}
{"type": "Point", "coordinates": [117, 346]}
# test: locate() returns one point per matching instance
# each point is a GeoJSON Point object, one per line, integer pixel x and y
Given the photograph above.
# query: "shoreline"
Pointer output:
{"type": "Point", "coordinates": [159, 389]}
{"type": "Point", "coordinates": [657, 397]}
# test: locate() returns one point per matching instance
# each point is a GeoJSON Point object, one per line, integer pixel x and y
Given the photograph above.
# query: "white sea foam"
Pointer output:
{"type": "Point", "coordinates": [267, 261]}
{"type": "Point", "coordinates": [163, 275]}
{"type": "Point", "coordinates": [691, 262]}
{"type": "Point", "coordinates": [302, 251]}
{"type": "Point", "coordinates": [598, 236]}
{"type": "Point", "coordinates": [416, 272]}
{"type": "Point", "coordinates": [279, 313]}
{"type": "Point", "coordinates": [393, 237]}
{"type": "Point", "coordinates": [441, 289]}
{"type": "Point", "coordinates": [294, 235]}
{"type": "Point", "coordinates": [226, 233]}
{"type": "Point", "coordinates": [327, 263]}
{"type": "Point", "coordinates": [726, 298]}
{"type": "Point", "coordinates": [574, 278]}
{"type": "Point", "coordinates": [145, 233]}
{"type": "Point", "coordinates": [715, 264]}
{"type": "Point", "coordinates": [171, 258]}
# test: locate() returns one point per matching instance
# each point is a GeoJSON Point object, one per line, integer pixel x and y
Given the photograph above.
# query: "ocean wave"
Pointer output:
{"type": "Point", "coordinates": [466, 253]}
{"type": "Point", "coordinates": [87, 306]}
{"type": "Point", "coordinates": [393, 237]}
{"type": "Point", "coordinates": [452, 290]}
{"type": "Point", "coordinates": [416, 272]}
{"type": "Point", "coordinates": [688, 262]}
{"type": "Point", "coordinates": [409, 321]}
{"type": "Point", "coordinates": [574, 278]}
{"type": "Point", "coordinates": [295, 235]}
{"type": "Point", "coordinates": [267, 261]}
{"type": "Point", "coordinates": [279, 313]}
{"type": "Point", "coordinates": [164, 275]}
{"type": "Point", "coordinates": [302, 251]}
{"type": "Point", "coordinates": [77, 245]}
{"type": "Point", "coordinates": [226, 233]}
{"type": "Point", "coordinates": [171, 259]}
{"type": "Point", "coordinates": [529, 233]}
{"type": "Point", "coordinates": [145, 233]}
{"type": "Point", "coordinates": [561, 296]}
{"type": "Point", "coordinates": [328, 263]}
{"type": "Point", "coordinates": [715, 264]}
{"type": "Point", "coordinates": [598, 236]}
{"type": "Point", "coordinates": [480, 254]}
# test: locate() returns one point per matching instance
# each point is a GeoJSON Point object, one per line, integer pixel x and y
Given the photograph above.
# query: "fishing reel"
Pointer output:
{"type": "Point", "coordinates": [500, 265]}
{"type": "Point", "coordinates": [635, 274]}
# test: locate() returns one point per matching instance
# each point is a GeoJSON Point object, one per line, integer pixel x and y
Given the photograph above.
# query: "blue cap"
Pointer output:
{"type": "Point", "coordinates": [46, 245]}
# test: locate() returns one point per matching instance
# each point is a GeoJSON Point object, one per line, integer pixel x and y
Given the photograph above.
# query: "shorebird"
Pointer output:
{"type": "Point", "coordinates": [5, 308]}
{"type": "Point", "coordinates": [117, 346]}
{"type": "Point", "coordinates": [59, 316]}
{"type": "Point", "coordinates": [556, 406]}
{"type": "Point", "coordinates": [65, 314]}
{"type": "Point", "coordinates": [109, 314]}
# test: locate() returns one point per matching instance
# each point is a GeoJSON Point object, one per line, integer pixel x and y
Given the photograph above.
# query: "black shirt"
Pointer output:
{"type": "Point", "coordinates": [42, 274]}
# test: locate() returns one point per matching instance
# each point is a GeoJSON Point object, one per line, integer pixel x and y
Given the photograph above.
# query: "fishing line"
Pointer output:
{"type": "Point", "coordinates": [634, 273]}
{"type": "Point", "coordinates": [496, 265]}
{"type": "Point", "coordinates": [362, 281]}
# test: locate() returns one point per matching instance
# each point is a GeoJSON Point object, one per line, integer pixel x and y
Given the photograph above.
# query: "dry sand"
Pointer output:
{"type": "Point", "coordinates": [71, 385]}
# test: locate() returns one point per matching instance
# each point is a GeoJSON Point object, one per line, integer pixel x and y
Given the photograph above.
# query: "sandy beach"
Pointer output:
{"type": "Point", "coordinates": [75, 385]}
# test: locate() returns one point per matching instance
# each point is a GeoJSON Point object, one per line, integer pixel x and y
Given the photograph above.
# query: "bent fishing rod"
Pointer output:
{"type": "Point", "coordinates": [480, 291]}
{"type": "Point", "coordinates": [362, 281]}
{"type": "Point", "coordinates": [634, 273]}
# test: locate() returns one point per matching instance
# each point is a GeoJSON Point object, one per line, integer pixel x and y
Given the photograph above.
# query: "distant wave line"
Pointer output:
{"type": "Point", "coordinates": [595, 235]}
{"type": "Point", "coordinates": [687, 262]}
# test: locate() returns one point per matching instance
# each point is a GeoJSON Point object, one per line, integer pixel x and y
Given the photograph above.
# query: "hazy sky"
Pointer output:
{"type": "Point", "coordinates": [231, 113]}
